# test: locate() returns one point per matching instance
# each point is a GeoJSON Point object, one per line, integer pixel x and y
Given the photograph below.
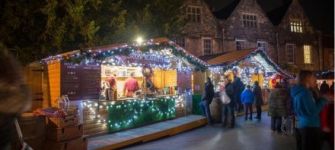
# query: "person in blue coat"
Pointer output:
{"type": "Point", "coordinates": [247, 99]}
{"type": "Point", "coordinates": [307, 105]}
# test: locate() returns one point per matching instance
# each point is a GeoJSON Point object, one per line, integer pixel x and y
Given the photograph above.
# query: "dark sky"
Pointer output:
{"type": "Point", "coordinates": [320, 12]}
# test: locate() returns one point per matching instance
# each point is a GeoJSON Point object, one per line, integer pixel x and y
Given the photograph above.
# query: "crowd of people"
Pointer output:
{"type": "Point", "coordinates": [296, 106]}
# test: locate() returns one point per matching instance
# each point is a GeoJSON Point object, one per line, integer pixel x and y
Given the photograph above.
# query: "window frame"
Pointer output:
{"type": "Point", "coordinates": [294, 47]}
{"type": "Point", "coordinates": [249, 20]}
{"type": "Point", "coordinates": [310, 53]}
{"type": "Point", "coordinates": [194, 14]}
{"type": "Point", "coordinates": [264, 43]}
{"type": "Point", "coordinates": [296, 26]}
{"type": "Point", "coordinates": [179, 40]}
{"type": "Point", "coordinates": [204, 44]}
{"type": "Point", "coordinates": [243, 46]}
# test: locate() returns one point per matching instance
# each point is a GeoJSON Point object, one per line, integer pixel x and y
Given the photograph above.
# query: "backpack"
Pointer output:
{"type": "Point", "coordinates": [224, 97]}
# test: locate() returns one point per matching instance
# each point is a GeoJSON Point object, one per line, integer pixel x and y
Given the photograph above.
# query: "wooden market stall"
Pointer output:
{"type": "Point", "coordinates": [94, 79]}
{"type": "Point", "coordinates": [252, 65]}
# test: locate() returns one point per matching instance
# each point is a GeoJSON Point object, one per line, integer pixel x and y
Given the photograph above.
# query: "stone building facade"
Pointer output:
{"type": "Point", "coordinates": [248, 27]}
{"type": "Point", "coordinates": [293, 42]}
{"type": "Point", "coordinates": [201, 36]}
{"type": "Point", "coordinates": [298, 42]}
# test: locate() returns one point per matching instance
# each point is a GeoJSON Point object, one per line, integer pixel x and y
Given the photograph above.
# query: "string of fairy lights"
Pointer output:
{"type": "Point", "coordinates": [166, 51]}
{"type": "Point", "coordinates": [132, 113]}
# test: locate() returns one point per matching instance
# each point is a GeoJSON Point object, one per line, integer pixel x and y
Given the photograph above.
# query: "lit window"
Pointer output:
{"type": "Point", "coordinates": [262, 45]}
{"type": "Point", "coordinates": [307, 54]}
{"type": "Point", "coordinates": [290, 48]}
{"type": "Point", "coordinates": [240, 44]}
{"type": "Point", "coordinates": [207, 43]}
{"type": "Point", "coordinates": [249, 20]}
{"type": "Point", "coordinates": [193, 13]}
{"type": "Point", "coordinates": [180, 41]}
{"type": "Point", "coordinates": [296, 26]}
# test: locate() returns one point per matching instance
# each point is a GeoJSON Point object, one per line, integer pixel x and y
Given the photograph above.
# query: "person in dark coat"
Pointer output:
{"type": "Point", "coordinates": [332, 88]}
{"type": "Point", "coordinates": [238, 87]}
{"type": "Point", "coordinates": [278, 102]}
{"type": "Point", "coordinates": [228, 114]}
{"type": "Point", "coordinates": [206, 100]}
{"type": "Point", "coordinates": [258, 99]}
{"type": "Point", "coordinates": [247, 99]}
{"type": "Point", "coordinates": [14, 97]}
{"type": "Point", "coordinates": [324, 88]}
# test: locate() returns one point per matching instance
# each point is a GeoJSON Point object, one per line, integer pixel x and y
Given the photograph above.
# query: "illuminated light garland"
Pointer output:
{"type": "Point", "coordinates": [140, 112]}
{"type": "Point", "coordinates": [259, 55]}
{"type": "Point", "coordinates": [133, 113]}
{"type": "Point", "coordinates": [161, 50]}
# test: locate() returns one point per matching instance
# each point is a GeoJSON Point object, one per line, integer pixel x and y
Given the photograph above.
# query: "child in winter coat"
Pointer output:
{"type": "Point", "coordinates": [247, 99]}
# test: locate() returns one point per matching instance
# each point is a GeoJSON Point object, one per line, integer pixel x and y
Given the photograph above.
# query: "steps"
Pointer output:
{"type": "Point", "coordinates": [145, 133]}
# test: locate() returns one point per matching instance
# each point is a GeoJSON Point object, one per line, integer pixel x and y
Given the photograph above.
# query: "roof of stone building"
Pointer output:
{"type": "Point", "coordinates": [275, 15]}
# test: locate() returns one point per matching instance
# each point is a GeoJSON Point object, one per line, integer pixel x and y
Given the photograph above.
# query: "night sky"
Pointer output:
{"type": "Point", "coordinates": [320, 13]}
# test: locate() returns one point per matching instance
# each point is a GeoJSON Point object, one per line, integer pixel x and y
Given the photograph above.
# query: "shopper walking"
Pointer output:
{"type": "Point", "coordinates": [228, 103]}
{"type": "Point", "coordinates": [238, 87]}
{"type": "Point", "coordinates": [278, 102]}
{"type": "Point", "coordinates": [247, 99]}
{"type": "Point", "coordinates": [206, 100]}
{"type": "Point", "coordinates": [258, 99]}
{"type": "Point", "coordinates": [307, 109]}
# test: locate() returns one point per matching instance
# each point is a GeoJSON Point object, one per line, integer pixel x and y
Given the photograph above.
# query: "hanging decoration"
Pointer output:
{"type": "Point", "coordinates": [258, 56]}
{"type": "Point", "coordinates": [161, 50]}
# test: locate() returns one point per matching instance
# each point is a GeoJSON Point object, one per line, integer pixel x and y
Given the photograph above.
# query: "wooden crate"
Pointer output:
{"type": "Point", "coordinates": [66, 133]}
{"type": "Point", "coordinates": [72, 120]}
{"type": "Point", "coordinates": [75, 144]}
{"type": "Point", "coordinates": [33, 130]}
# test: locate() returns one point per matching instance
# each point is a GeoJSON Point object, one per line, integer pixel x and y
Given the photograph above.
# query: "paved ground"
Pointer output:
{"type": "Point", "coordinates": [250, 135]}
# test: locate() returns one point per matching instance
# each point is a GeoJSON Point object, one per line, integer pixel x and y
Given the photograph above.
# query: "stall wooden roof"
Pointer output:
{"type": "Point", "coordinates": [98, 50]}
{"type": "Point", "coordinates": [230, 57]}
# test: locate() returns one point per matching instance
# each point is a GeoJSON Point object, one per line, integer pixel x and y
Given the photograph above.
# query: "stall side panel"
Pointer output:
{"type": "Point", "coordinates": [33, 78]}
{"type": "Point", "coordinates": [70, 80]}
{"type": "Point", "coordinates": [54, 82]}
{"type": "Point", "coordinates": [90, 81]}
{"type": "Point", "coordinates": [184, 81]}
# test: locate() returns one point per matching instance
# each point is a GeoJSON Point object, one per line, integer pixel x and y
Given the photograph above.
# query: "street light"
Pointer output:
{"type": "Point", "coordinates": [139, 40]}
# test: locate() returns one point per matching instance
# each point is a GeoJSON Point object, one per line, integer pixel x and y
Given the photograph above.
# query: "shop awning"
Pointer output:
{"type": "Point", "coordinates": [231, 59]}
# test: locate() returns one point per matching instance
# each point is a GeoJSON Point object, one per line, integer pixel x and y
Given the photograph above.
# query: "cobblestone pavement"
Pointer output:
{"type": "Point", "coordinates": [250, 135]}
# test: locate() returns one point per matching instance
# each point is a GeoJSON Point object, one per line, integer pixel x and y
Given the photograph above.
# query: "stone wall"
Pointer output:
{"type": "Point", "coordinates": [195, 31]}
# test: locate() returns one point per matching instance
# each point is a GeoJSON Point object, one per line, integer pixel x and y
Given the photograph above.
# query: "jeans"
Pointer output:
{"type": "Point", "coordinates": [308, 138]}
{"type": "Point", "coordinates": [276, 124]}
{"type": "Point", "coordinates": [228, 115]}
{"type": "Point", "coordinates": [248, 108]}
{"type": "Point", "coordinates": [259, 111]}
{"type": "Point", "coordinates": [204, 105]}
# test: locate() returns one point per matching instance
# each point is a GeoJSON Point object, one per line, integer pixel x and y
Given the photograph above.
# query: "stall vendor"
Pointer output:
{"type": "Point", "coordinates": [112, 81]}
{"type": "Point", "coordinates": [130, 86]}
{"type": "Point", "coordinates": [111, 91]}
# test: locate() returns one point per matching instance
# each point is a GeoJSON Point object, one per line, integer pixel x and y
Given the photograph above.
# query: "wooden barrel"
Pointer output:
{"type": "Point", "coordinates": [33, 130]}
{"type": "Point", "coordinates": [215, 108]}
